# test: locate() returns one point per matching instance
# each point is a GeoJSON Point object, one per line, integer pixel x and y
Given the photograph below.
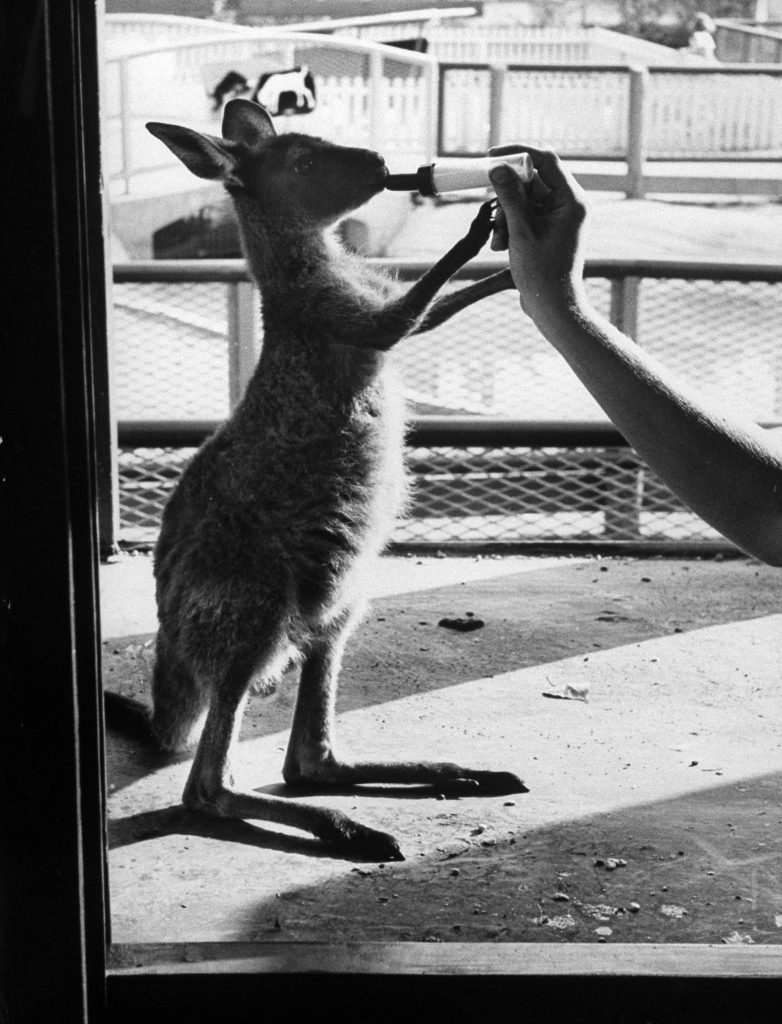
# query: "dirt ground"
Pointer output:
{"type": "Point", "coordinates": [639, 700]}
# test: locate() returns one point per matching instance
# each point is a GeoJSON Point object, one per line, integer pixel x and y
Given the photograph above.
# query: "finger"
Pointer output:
{"type": "Point", "coordinates": [536, 189]}
{"type": "Point", "coordinates": [512, 195]}
{"type": "Point", "coordinates": [506, 151]}
{"type": "Point", "coordinates": [552, 174]}
{"type": "Point", "coordinates": [499, 238]}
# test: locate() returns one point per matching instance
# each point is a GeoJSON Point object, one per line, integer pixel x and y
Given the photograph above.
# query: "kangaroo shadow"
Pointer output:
{"type": "Point", "coordinates": [177, 819]}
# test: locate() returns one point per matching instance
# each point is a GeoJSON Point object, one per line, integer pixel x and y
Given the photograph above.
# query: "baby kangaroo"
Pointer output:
{"type": "Point", "coordinates": [268, 539]}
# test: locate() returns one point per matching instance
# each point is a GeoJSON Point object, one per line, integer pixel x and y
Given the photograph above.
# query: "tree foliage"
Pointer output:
{"type": "Point", "coordinates": [670, 22]}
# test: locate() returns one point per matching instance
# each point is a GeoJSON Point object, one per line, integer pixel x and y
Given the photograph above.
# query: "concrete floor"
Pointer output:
{"type": "Point", "coordinates": [672, 766]}
{"type": "Point", "coordinates": [697, 228]}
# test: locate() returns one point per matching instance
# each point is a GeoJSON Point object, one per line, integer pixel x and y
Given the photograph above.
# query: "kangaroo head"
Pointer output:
{"type": "Point", "coordinates": [293, 176]}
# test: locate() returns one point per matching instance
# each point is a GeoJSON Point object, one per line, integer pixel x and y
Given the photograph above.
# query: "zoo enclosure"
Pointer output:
{"type": "Point", "coordinates": [374, 95]}
{"type": "Point", "coordinates": [411, 108]}
{"type": "Point", "coordinates": [507, 448]}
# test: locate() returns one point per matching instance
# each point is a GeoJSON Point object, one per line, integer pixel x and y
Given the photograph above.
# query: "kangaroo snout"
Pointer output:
{"type": "Point", "coordinates": [367, 165]}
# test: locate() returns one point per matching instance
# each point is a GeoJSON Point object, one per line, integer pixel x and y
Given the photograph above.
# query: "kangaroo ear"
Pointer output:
{"type": "Point", "coordinates": [247, 122]}
{"type": "Point", "coordinates": [204, 155]}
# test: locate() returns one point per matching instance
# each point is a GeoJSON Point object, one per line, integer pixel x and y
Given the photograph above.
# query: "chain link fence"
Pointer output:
{"type": "Point", "coordinates": [508, 447]}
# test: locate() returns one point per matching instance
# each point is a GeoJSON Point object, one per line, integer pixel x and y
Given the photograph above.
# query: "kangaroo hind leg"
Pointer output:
{"type": "Point", "coordinates": [211, 787]}
{"type": "Point", "coordinates": [179, 701]}
{"type": "Point", "coordinates": [311, 759]}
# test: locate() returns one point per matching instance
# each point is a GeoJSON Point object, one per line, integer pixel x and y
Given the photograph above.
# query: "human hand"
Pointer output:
{"type": "Point", "coordinates": [540, 226]}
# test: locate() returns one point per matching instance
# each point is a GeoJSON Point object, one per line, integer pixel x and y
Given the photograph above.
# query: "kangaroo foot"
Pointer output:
{"type": "Point", "coordinates": [444, 776]}
{"type": "Point", "coordinates": [480, 783]}
{"type": "Point", "coordinates": [359, 840]}
{"type": "Point", "coordinates": [331, 826]}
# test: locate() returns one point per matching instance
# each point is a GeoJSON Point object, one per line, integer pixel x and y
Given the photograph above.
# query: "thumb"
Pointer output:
{"type": "Point", "coordinates": [512, 196]}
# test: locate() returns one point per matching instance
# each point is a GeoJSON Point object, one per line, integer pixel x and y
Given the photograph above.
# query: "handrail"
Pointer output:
{"type": "Point", "coordinates": [602, 66]}
{"type": "Point", "coordinates": [275, 34]}
{"type": "Point", "coordinates": [750, 30]}
{"type": "Point", "coordinates": [420, 16]}
{"type": "Point", "coordinates": [235, 270]}
{"type": "Point", "coordinates": [423, 432]}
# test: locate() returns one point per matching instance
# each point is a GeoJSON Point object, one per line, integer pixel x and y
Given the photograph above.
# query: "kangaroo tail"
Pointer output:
{"type": "Point", "coordinates": [130, 717]}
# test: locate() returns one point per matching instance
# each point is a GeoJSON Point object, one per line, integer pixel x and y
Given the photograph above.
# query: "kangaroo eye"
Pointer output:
{"type": "Point", "coordinates": [304, 165]}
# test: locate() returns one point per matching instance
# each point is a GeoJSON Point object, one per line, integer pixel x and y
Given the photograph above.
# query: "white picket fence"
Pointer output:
{"type": "Point", "coordinates": [714, 114]}
{"type": "Point", "coordinates": [387, 99]}
{"type": "Point", "coordinates": [368, 95]}
{"type": "Point", "coordinates": [474, 42]}
{"type": "Point", "coordinates": [583, 112]}
{"type": "Point", "coordinates": [570, 111]}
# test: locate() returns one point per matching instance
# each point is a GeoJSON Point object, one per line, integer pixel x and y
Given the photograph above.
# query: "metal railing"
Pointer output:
{"type": "Point", "coordinates": [490, 41]}
{"type": "Point", "coordinates": [749, 44]}
{"type": "Point", "coordinates": [680, 113]}
{"type": "Point", "coordinates": [506, 448]}
{"type": "Point", "coordinates": [387, 98]}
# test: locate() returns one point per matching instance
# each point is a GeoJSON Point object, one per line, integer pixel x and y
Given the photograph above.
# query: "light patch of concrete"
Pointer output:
{"type": "Point", "coordinates": [127, 586]}
{"type": "Point", "coordinates": [627, 228]}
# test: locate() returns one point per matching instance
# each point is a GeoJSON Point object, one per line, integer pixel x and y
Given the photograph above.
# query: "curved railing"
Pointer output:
{"type": "Point", "coordinates": [370, 94]}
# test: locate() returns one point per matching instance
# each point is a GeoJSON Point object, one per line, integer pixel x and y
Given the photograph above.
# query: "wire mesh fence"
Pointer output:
{"type": "Point", "coordinates": [174, 360]}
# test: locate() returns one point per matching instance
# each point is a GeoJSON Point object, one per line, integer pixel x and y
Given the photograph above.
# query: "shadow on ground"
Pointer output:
{"type": "Point", "coordinates": [533, 618]}
{"type": "Point", "coordinates": [653, 811]}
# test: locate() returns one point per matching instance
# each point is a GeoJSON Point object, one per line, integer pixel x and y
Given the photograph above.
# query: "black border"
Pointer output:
{"type": "Point", "coordinates": [52, 964]}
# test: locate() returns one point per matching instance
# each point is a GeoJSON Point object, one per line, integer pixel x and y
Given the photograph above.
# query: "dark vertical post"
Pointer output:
{"type": "Point", "coordinates": [106, 425]}
{"type": "Point", "coordinates": [52, 848]}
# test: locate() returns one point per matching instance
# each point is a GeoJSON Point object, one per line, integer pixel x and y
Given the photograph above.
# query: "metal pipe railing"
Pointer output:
{"type": "Point", "coordinates": [619, 480]}
{"type": "Point", "coordinates": [424, 432]}
{"type": "Point", "coordinates": [233, 271]}
{"type": "Point", "coordinates": [243, 328]}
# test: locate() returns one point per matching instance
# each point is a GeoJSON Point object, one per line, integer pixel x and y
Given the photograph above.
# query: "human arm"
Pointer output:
{"type": "Point", "coordinates": [723, 466]}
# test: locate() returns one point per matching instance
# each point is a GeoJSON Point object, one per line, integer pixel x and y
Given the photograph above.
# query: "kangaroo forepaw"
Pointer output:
{"type": "Point", "coordinates": [482, 225]}
{"type": "Point", "coordinates": [360, 840]}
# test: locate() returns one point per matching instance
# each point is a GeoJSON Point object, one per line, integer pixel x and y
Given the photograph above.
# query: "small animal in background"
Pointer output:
{"type": "Point", "coordinates": [230, 86]}
{"type": "Point", "coordinates": [270, 537]}
{"type": "Point", "coordinates": [281, 92]}
{"type": "Point", "coordinates": [287, 92]}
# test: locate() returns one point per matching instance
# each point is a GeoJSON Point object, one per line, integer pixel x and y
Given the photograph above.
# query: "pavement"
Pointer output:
{"type": "Point", "coordinates": [706, 228]}
{"type": "Point", "coordinates": [638, 698]}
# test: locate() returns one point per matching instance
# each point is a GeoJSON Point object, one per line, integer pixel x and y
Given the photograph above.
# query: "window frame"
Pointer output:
{"type": "Point", "coordinates": [59, 963]}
